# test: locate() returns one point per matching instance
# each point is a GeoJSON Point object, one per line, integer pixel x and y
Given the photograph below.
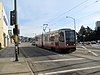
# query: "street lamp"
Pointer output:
{"type": "Point", "coordinates": [74, 21]}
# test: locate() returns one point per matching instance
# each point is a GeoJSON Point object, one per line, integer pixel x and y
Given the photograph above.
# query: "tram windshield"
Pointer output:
{"type": "Point", "coordinates": [70, 36]}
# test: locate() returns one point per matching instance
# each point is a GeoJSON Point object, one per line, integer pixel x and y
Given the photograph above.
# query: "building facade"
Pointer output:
{"type": "Point", "coordinates": [97, 25]}
{"type": "Point", "coordinates": [3, 27]}
{"type": "Point", "coordinates": [10, 34]}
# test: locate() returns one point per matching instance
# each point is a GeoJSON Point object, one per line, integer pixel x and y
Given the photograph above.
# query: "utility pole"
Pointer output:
{"type": "Point", "coordinates": [13, 21]}
{"type": "Point", "coordinates": [16, 35]}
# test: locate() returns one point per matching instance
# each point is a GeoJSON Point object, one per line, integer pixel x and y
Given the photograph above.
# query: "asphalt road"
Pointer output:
{"type": "Point", "coordinates": [46, 62]}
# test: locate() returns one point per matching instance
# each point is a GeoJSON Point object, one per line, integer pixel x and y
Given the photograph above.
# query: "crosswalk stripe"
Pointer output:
{"type": "Point", "coordinates": [58, 60]}
{"type": "Point", "coordinates": [70, 70]}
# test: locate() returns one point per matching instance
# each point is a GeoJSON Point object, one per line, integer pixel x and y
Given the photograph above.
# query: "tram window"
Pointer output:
{"type": "Point", "coordinates": [61, 37]}
{"type": "Point", "coordinates": [52, 38]}
{"type": "Point", "coordinates": [36, 38]}
{"type": "Point", "coordinates": [56, 38]}
{"type": "Point", "coordinates": [46, 38]}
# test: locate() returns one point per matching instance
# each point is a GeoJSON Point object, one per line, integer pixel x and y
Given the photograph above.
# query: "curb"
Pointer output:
{"type": "Point", "coordinates": [2, 49]}
{"type": "Point", "coordinates": [28, 66]}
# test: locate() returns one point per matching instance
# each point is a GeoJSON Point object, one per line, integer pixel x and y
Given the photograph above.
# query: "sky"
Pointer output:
{"type": "Point", "coordinates": [33, 14]}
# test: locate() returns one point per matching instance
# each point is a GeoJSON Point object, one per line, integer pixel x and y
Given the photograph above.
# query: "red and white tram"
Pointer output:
{"type": "Point", "coordinates": [59, 40]}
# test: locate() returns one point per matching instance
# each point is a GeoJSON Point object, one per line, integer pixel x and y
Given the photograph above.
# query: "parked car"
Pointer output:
{"type": "Point", "coordinates": [98, 41]}
{"type": "Point", "coordinates": [93, 42]}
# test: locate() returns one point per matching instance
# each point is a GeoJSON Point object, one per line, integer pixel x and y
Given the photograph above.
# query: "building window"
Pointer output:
{"type": "Point", "coordinates": [5, 20]}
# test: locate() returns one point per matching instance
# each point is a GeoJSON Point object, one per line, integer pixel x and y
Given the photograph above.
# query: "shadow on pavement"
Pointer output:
{"type": "Point", "coordinates": [8, 52]}
{"type": "Point", "coordinates": [35, 52]}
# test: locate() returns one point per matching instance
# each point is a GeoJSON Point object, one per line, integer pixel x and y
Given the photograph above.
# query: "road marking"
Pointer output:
{"type": "Point", "coordinates": [95, 50]}
{"type": "Point", "coordinates": [58, 60]}
{"type": "Point", "coordinates": [70, 70]}
{"type": "Point", "coordinates": [90, 51]}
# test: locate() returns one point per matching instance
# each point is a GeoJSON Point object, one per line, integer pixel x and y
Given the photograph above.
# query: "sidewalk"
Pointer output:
{"type": "Point", "coordinates": [8, 66]}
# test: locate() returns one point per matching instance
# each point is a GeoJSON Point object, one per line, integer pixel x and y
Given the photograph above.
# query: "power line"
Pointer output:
{"type": "Point", "coordinates": [68, 10]}
{"type": "Point", "coordinates": [76, 7]}
{"type": "Point", "coordinates": [91, 13]}
{"type": "Point", "coordinates": [85, 7]}
{"type": "Point", "coordinates": [88, 15]}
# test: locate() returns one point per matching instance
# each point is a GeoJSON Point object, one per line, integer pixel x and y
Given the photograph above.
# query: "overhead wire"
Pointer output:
{"type": "Point", "coordinates": [91, 13]}
{"type": "Point", "coordinates": [87, 15]}
{"type": "Point", "coordinates": [68, 11]}
{"type": "Point", "coordinates": [74, 8]}
{"type": "Point", "coordinates": [85, 7]}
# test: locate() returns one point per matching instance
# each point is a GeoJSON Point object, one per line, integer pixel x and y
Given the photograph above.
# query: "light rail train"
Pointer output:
{"type": "Point", "coordinates": [59, 40]}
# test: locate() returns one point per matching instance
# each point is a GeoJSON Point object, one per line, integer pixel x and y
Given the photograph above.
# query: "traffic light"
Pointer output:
{"type": "Point", "coordinates": [16, 31]}
{"type": "Point", "coordinates": [12, 17]}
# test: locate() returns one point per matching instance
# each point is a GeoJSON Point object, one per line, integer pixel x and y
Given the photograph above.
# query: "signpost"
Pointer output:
{"type": "Point", "coordinates": [13, 21]}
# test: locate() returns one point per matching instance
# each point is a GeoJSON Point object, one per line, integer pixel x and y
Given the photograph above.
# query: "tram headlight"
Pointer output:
{"type": "Point", "coordinates": [74, 44]}
{"type": "Point", "coordinates": [67, 44]}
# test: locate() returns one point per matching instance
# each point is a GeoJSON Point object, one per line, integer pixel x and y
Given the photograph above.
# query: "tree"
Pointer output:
{"type": "Point", "coordinates": [81, 33]}
{"type": "Point", "coordinates": [86, 34]}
